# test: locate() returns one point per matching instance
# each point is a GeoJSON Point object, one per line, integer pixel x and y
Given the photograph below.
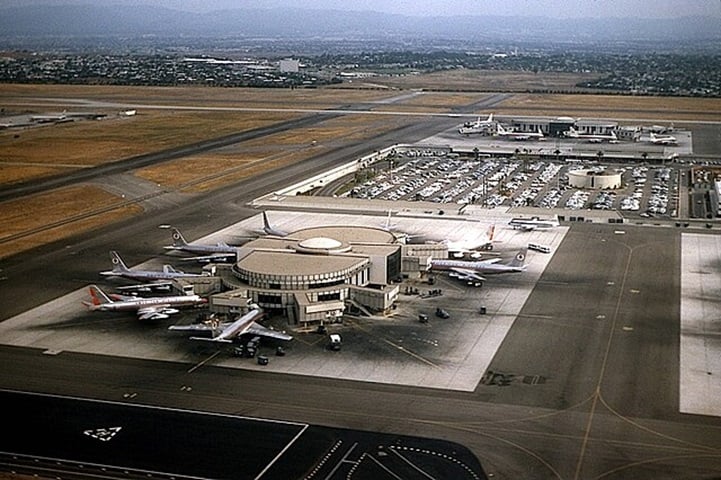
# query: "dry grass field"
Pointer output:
{"type": "Point", "coordinates": [112, 98]}
{"type": "Point", "coordinates": [49, 149]}
{"type": "Point", "coordinates": [199, 173]}
{"type": "Point", "coordinates": [42, 219]}
{"type": "Point", "coordinates": [215, 169]}
{"type": "Point", "coordinates": [347, 127]}
{"type": "Point", "coordinates": [442, 101]}
{"type": "Point", "coordinates": [614, 106]}
{"type": "Point", "coordinates": [488, 80]}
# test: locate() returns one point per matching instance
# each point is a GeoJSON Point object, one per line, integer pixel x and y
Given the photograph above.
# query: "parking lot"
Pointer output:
{"type": "Point", "coordinates": [647, 190]}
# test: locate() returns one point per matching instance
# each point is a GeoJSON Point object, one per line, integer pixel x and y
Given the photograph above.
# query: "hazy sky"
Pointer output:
{"type": "Point", "coordinates": [546, 8]}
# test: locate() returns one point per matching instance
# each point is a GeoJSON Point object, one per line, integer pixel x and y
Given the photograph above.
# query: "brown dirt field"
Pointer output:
{"type": "Point", "coordinates": [442, 100]}
{"type": "Point", "coordinates": [95, 142]}
{"type": "Point", "coordinates": [488, 80]}
{"type": "Point", "coordinates": [37, 211]}
{"type": "Point", "coordinates": [12, 173]}
{"type": "Point", "coordinates": [177, 173]}
{"type": "Point", "coordinates": [251, 168]}
{"type": "Point", "coordinates": [619, 106]}
{"type": "Point", "coordinates": [212, 170]}
{"type": "Point", "coordinates": [347, 127]}
{"type": "Point", "coordinates": [67, 96]}
{"type": "Point", "coordinates": [87, 143]}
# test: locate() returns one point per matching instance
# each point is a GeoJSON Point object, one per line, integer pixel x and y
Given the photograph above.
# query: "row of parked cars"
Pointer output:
{"type": "Point", "coordinates": [501, 181]}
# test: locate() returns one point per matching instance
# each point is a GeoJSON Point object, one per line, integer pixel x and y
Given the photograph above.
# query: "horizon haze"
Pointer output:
{"type": "Point", "coordinates": [652, 9]}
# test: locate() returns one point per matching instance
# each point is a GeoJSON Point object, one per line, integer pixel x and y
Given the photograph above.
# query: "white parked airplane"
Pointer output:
{"type": "Point", "coordinates": [479, 126]}
{"type": "Point", "coordinates": [227, 332]}
{"type": "Point", "coordinates": [591, 137]}
{"type": "Point", "coordinates": [458, 247]}
{"type": "Point", "coordinates": [526, 224]}
{"type": "Point", "coordinates": [662, 139]}
{"type": "Point", "coordinates": [48, 118]}
{"type": "Point", "coordinates": [268, 229]}
{"type": "Point", "coordinates": [472, 272]}
{"type": "Point", "coordinates": [147, 308]}
{"type": "Point", "coordinates": [401, 236]}
{"type": "Point", "coordinates": [513, 135]}
{"type": "Point", "coordinates": [218, 252]}
{"type": "Point", "coordinates": [463, 246]}
{"type": "Point", "coordinates": [121, 270]}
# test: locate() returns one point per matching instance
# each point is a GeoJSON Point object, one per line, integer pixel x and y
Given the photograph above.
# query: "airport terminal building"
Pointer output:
{"type": "Point", "coordinates": [316, 274]}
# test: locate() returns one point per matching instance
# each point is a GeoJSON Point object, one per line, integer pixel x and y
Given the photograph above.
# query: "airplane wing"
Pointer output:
{"type": "Point", "coordinates": [199, 327]}
{"type": "Point", "coordinates": [254, 329]}
{"type": "Point", "coordinates": [156, 312]}
{"type": "Point", "coordinates": [216, 257]}
{"type": "Point", "coordinates": [146, 287]}
{"type": "Point", "coordinates": [490, 261]}
{"type": "Point", "coordinates": [466, 274]}
{"type": "Point", "coordinates": [258, 329]}
{"type": "Point", "coordinates": [228, 330]}
{"type": "Point", "coordinates": [204, 327]}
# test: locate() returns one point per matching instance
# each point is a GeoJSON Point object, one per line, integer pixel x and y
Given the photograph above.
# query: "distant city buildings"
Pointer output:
{"type": "Point", "coordinates": [695, 75]}
{"type": "Point", "coordinates": [162, 70]}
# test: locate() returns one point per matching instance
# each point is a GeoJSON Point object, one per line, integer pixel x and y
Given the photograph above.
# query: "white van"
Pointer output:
{"type": "Point", "coordinates": [539, 248]}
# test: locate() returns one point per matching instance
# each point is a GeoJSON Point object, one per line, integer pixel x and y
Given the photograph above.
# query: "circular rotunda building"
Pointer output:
{"type": "Point", "coordinates": [312, 273]}
{"type": "Point", "coordinates": [594, 178]}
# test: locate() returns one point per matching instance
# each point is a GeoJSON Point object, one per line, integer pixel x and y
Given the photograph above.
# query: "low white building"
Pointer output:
{"type": "Point", "coordinates": [594, 179]}
{"type": "Point", "coordinates": [289, 65]}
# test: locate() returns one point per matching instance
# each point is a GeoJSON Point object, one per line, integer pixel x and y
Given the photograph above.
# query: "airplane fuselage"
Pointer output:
{"type": "Point", "coordinates": [482, 267]}
{"type": "Point", "coordinates": [147, 275]}
{"type": "Point", "coordinates": [590, 137]}
{"type": "Point", "coordinates": [125, 305]}
{"type": "Point", "coordinates": [239, 327]}
{"type": "Point", "coordinates": [204, 249]}
{"type": "Point", "coordinates": [532, 223]}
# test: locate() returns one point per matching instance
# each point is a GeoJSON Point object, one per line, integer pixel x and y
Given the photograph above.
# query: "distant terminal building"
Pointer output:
{"type": "Point", "coordinates": [557, 126]}
{"type": "Point", "coordinates": [594, 179]}
{"type": "Point", "coordinates": [316, 274]}
{"type": "Point", "coordinates": [628, 133]}
{"type": "Point", "coordinates": [560, 125]}
{"type": "Point", "coordinates": [289, 65]}
{"type": "Point", "coordinates": [596, 127]}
